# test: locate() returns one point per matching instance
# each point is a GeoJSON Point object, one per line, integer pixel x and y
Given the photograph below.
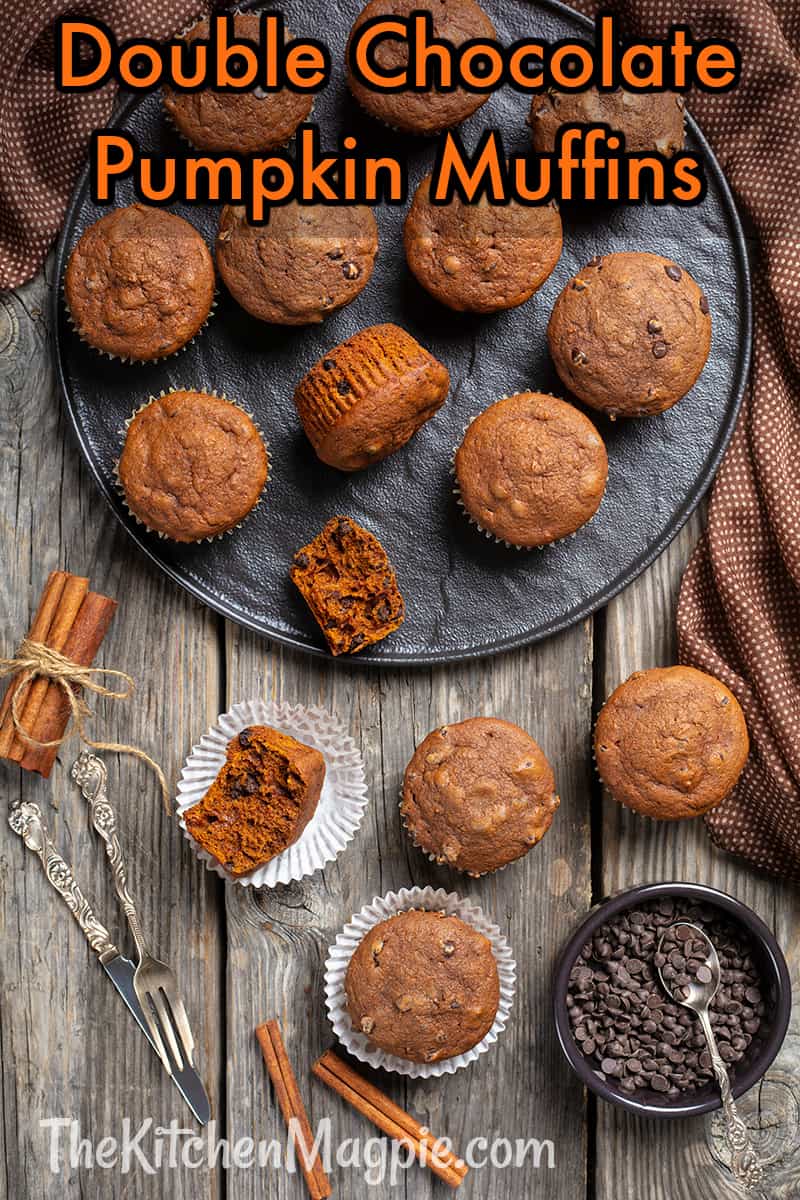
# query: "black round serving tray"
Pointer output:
{"type": "Point", "coordinates": [465, 595]}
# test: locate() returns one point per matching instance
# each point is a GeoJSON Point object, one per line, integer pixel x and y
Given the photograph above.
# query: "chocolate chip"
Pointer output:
{"type": "Point", "coordinates": [301, 560]}
{"type": "Point", "coordinates": [578, 357]}
{"type": "Point", "coordinates": [351, 270]}
{"type": "Point", "coordinates": [336, 254]}
{"type": "Point", "coordinates": [578, 285]}
{"type": "Point", "coordinates": [674, 272]}
{"type": "Point", "coordinates": [704, 305]}
{"type": "Point", "coordinates": [328, 364]}
{"type": "Point", "coordinates": [704, 974]}
{"type": "Point", "coordinates": [245, 738]}
{"type": "Point", "coordinates": [659, 349]}
{"type": "Point", "coordinates": [654, 326]}
{"type": "Point", "coordinates": [597, 261]}
{"type": "Point", "coordinates": [343, 387]}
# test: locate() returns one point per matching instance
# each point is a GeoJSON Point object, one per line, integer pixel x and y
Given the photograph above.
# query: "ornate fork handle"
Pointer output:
{"type": "Point", "coordinates": [745, 1164]}
{"type": "Point", "coordinates": [91, 776]}
{"type": "Point", "coordinates": [26, 820]}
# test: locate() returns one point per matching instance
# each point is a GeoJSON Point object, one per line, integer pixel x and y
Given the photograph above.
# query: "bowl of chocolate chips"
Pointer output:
{"type": "Point", "coordinates": [629, 1039]}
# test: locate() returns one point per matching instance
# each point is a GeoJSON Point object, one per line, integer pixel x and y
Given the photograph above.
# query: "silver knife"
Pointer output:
{"type": "Point", "coordinates": [26, 820]}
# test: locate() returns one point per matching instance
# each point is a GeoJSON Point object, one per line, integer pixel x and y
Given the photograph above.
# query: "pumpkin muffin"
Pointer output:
{"type": "Point", "coordinates": [193, 466]}
{"type": "Point", "coordinates": [368, 396]}
{"type": "Point", "coordinates": [244, 122]}
{"type": "Point", "coordinates": [531, 470]}
{"type": "Point", "coordinates": [478, 795]}
{"type": "Point", "coordinates": [481, 257]}
{"type": "Point", "coordinates": [423, 986]}
{"type": "Point", "coordinates": [306, 263]}
{"type": "Point", "coordinates": [649, 120]}
{"type": "Point", "coordinates": [347, 581]}
{"type": "Point", "coordinates": [427, 113]}
{"type": "Point", "coordinates": [139, 284]}
{"type": "Point", "coordinates": [260, 802]}
{"type": "Point", "coordinates": [671, 742]}
{"type": "Point", "coordinates": [630, 334]}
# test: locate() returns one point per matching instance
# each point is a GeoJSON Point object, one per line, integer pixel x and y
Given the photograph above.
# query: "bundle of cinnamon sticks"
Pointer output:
{"type": "Point", "coordinates": [73, 621]}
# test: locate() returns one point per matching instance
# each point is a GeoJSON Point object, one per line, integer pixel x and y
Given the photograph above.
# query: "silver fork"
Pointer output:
{"type": "Point", "coordinates": [154, 982]}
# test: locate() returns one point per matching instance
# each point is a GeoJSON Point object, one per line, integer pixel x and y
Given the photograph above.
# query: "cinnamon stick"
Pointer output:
{"type": "Point", "coordinates": [371, 1103]}
{"type": "Point", "coordinates": [81, 645]}
{"type": "Point", "coordinates": [38, 632]}
{"type": "Point", "coordinates": [291, 1105]}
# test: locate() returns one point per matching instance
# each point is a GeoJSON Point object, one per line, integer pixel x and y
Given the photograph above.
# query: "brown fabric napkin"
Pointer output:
{"type": "Point", "coordinates": [44, 134]}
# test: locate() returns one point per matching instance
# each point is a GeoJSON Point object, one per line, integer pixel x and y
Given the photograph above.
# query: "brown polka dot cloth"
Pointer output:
{"type": "Point", "coordinates": [739, 607]}
{"type": "Point", "coordinates": [44, 134]}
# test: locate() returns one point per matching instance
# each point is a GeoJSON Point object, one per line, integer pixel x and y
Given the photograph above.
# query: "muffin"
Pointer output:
{"type": "Point", "coordinates": [630, 334]}
{"type": "Point", "coordinates": [456, 21]}
{"type": "Point", "coordinates": [423, 986]}
{"type": "Point", "coordinates": [244, 122]}
{"type": "Point", "coordinates": [671, 742]}
{"type": "Point", "coordinates": [346, 579]}
{"type": "Point", "coordinates": [531, 470]}
{"type": "Point", "coordinates": [139, 284]}
{"type": "Point", "coordinates": [478, 795]}
{"type": "Point", "coordinates": [481, 257]}
{"type": "Point", "coordinates": [649, 120]}
{"type": "Point", "coordinates": [306, 263]}
{"type": "Point", "coordinates": [260, 802]}
{"type": "Point", "coordinates": [193, 465]}
{"type": "Point", "coordinates": [368, 396]}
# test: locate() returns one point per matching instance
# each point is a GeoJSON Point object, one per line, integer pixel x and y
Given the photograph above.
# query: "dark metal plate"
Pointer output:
{"type": "Point", "coordinates": [465, 595]}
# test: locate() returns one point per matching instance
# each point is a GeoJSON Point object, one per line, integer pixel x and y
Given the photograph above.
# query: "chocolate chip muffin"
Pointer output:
{"type": "Point", "coordinates": [261, 800]}
{"type": "Point", "coordinates": [345, 577]}
{"type": "Point", "coordinates": [139, 284]}
{"type": "Point", "coordinates": [456, 21]}
{"type": "Point", "coordinates": [630, 334]}
{"type": "Point", "coordinates": [671, 742]}
{"type": "Point", "coordinates": [481, 257]}
{"type": "Point", "coordinates": [193, 466]}
{"type": "Point", "coordinates": [478, 795]}
{"type": "Point", "coordinates": [531, 470]}
{"type": "Point", "coordinates": [423, 986]}
{"type": "Point", "coordinates": [305, 263]}
{"type": "Point", "coordinates": [245, 122]}
{"type": "Point", "coordinates": [649, 120]}
{"type": "Point", "coordinates": [368, 396]}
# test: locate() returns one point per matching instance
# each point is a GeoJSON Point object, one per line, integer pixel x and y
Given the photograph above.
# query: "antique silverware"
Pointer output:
{"type": "Point", "coordinates": [697, 996]}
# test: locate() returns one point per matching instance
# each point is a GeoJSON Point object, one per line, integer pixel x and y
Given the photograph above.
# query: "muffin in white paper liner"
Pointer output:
{"type": "Point", "coordinates": [381, 909]}
{"type": "Point", "coordinates": [341, 804]}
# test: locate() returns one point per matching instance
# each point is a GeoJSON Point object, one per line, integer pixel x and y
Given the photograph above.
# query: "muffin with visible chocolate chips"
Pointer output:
{"type": "Point", "coordinates": [367, 397]}
{"type": "Point", "coordinates": [630, 334]}
{"type": "Point", "coordinates": [481, 257]}
{"type": "Point", "coordinates": [456, 21]}
{"type": "Point", "coordinates": [531, 469]}
{"type": "Point", "coordinates": [671, 742]}
{"type": "Point", "coordinates": [305, 263]}
{"type": "Point", "coordinates": [649, 120]}
{"type": "Point", "coordinates": [478, 794]}
{"type": "Point", "coordinates": [193, 466]}
{"type": "Point", "coordinates": [139, 284]}
{"type": "Point", "coordinates": [244, 122]}
{"type": "Point", "coordinates": [423, 986]}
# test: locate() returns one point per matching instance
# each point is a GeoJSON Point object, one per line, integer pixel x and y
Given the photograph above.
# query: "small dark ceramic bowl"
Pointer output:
{"type": "Point", "coordinates": [776, 989]}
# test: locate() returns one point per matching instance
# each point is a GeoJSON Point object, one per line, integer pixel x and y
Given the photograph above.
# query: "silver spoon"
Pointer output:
{"type": "Point", "coordinates": [697, 996]}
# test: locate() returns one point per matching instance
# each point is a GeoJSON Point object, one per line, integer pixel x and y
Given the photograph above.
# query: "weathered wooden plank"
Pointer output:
{"type": "Point", "coordinates": [278, 940]}
{"type": "Point", "coordinates": [672, 1160]}
{"type": "Point", "coordinates": [67, 1046]}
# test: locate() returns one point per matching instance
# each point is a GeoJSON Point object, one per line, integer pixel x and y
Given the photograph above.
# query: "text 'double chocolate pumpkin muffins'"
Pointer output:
{"type": "Point", "coordinates": [193, 465]}
{"type": "Point", "coordinates": [456, 21]}
{"type": "Point", "coordinates": [261, 800]}
{"type": "Point", "coordinates": [649, 120]}
{"type": "Point", "coordinates": [140, 283]}
{"type": "Point", "coordinates": [630, 334]}
{"type": "Point", "coordinates": [531, 469]}
{"type": "Point", "coordinates": [478, 794]}
{"type": "Point", "coordinates": [481, 257]}
{"type": "Point", "coordinates": [671, 742]}
{"type": "Point", "coordinates": [245, 122]}
{"type": "Point", "coordinates": [367, 397]}
{"type": "Point", "coordinates": [305, 263]}
{"type": "Point", "coordinates": [423, 986]}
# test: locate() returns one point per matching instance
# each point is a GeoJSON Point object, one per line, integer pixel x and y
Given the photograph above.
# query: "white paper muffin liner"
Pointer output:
{"type": "Point", "coordinates": [341, 805]}
{"type": "Point", "coordinates": [124, 358]}
{"type": "Point", "coordinates": [381, 908]}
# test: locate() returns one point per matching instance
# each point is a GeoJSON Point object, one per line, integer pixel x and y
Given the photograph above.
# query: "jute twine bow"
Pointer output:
{"type": "Point", "coordinates": [35, 660]}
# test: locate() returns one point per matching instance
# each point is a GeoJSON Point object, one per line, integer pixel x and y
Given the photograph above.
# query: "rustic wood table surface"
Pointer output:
{"type": "Point", "coordinates": [68, 1049]}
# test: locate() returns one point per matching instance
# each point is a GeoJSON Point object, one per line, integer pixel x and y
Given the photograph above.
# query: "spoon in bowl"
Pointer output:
{"type": "Point", "coordinates": [704, 974]}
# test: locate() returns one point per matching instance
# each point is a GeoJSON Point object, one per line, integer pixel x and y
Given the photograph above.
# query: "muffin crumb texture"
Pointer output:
{"type": "Point", "coordinates": [423, 986]}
